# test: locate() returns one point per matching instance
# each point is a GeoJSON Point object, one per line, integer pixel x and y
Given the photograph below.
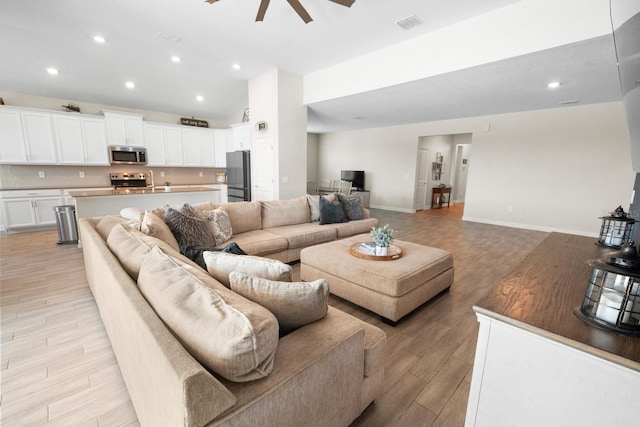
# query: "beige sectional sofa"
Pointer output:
{"type": "Point", "coordinates": [324, 373]}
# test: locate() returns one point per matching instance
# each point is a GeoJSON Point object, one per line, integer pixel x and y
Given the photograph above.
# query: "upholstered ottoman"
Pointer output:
{"type": "Point", "coordinates": [389, 288]}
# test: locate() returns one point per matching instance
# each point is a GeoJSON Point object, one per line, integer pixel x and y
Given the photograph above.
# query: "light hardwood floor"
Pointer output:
{"type": "Point", "coordinates": [58, 367]}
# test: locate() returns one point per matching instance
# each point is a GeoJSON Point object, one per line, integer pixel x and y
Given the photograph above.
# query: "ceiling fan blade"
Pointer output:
{"type": "Point", "coordinates": [264, 4]}
{"type": "Point", "coordinates": [347, 3]}
{"type": "Point", "coordinates": [295, 4]}
{"type": "Point", "coordinates": [210, 1]}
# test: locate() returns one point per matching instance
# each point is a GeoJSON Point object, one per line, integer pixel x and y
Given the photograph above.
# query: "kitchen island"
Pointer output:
{"type": "Point", "coordinates": [536, 363]}
{"type": "Point", "coordinates": [98, 202]}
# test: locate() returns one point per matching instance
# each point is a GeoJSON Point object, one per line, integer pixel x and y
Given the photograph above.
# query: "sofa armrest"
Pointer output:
{"type": "Point", "coordinates": [166, 385]}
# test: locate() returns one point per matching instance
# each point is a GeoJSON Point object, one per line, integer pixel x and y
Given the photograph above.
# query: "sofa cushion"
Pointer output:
{"type": "Point", "coordinates": [195, 253]}
{"type": "Point", "coordinates": [106, 224]}
{"type": "Point", "coordinates": [331, 211]}
{"type": "Point", "coordinates": [220, 264]}
{"type": "Point", "coordinates": [352, 207]}
{"type": "Point", "coordinates": [261, 242]}
{"type": "Point", "coordinates": [352, 228]}
{"type": "Point", "coordinates": [244, 216]}
{"type": "Point", "coordinates": [293, 303]}
{"type": "Point", "coordinates": [230, 335]}
{"type": "Point", "coordinates": [220, 225]}
{"type": "Point", "coordinates": [155, 226]}
{"type": "Point", "coordinates": [131, 247]}
{"type": "Point", "coordinates": [303, 235]}
{"type": "Point", "coordinates": [276, 213]}
{"type": "Point", "coordinates": [314, 207]}
{"type": "Point", "coordinates": [189, 226]}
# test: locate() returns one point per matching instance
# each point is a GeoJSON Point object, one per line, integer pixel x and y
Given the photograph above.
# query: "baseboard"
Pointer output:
{"type": "Point", "coordinates": [529, 226]}
{"type": "Point", "coordinates": [392, 208]}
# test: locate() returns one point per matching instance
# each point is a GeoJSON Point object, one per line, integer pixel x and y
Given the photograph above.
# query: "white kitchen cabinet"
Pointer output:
{"type": "Point", "coordinates": [23, 208]}
{"type": "Point", "coordinates": [240, 137]}
{"type": "Point", "coordinates": [81, 140]}
{"type": "Point", "coordinates": [199, 147]}
{"type": "Point", "coordinates": [164, 145]}
{"type": "Point", "coordinates": [124, 128]}
{"type": "Point", "coordinates": [38, 137]}
{"type": "Point", "coordinates": [12, 147]}
{"type": "Point", "coordinates": [220, 142]}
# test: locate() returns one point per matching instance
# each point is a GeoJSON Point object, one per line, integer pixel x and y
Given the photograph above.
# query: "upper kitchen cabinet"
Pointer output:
{"type": "Point", "coordinates": [27, 137]}
{"type": "Point", "coordinates": [199, 147]}
{"type": "Point", "coordinates": [240, 137]}
{"type": "Point", "coordinates": [81, 139]}
{"type": "Point", "coordinates": [124, 128]}
{"type": "Point", "coordinates": [164, 145]}
{"type": "Point", "coordinates": [221, 142]}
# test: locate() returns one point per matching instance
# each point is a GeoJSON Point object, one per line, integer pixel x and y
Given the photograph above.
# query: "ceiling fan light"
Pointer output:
{"type": "Point", "coordinates": [53, 71]}
{"type": "Point", "coordinates": [553, 85]}
{"type": "Point", "coordinates": [99, 39]}
{"type": "Point", "coordinates": [176, 59]}
{"type": "Point", "coordinates": [236, 66]}
{"type": "Point", "coordinates": [130, 85]}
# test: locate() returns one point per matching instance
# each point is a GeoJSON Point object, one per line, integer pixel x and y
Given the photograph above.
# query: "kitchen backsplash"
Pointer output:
{"type": "Point", "coordinates": [16, 177]}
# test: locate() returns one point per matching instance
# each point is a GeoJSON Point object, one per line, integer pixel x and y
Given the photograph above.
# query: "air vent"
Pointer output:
{"type": "Point", "coordinates": [169, 37]}
{"type": "Point", "coordinates": [409, 22]}
{"type": "Point", "coordinates": [569, 102]}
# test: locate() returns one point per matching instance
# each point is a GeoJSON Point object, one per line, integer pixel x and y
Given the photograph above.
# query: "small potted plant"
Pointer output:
{"type": "Point", "coordinates": [167, 186]}
{"type": "Point", "coordinates": [382, 236]}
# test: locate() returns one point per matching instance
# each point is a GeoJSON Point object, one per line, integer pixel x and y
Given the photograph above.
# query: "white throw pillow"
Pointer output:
{"type": "Point", "coordinates": [230, 335]}
{"type": "Point", "coordinates": [294, 304]}
{"type": "Point", "coordinates": [220, 264]}
{"type": "Point", "coordinates": [220, 225]}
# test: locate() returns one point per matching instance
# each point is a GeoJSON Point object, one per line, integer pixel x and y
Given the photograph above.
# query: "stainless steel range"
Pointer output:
{"type": "Point", "coordinates": [128, 180]}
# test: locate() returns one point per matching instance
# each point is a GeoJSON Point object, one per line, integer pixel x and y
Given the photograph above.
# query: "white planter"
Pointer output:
{"type": "Point", "coordinates": [167, 188]}
{"type": "Point", "coordinates": [382, 250]}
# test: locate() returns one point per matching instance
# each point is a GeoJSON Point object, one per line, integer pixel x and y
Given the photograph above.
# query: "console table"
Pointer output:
{"type": "Point", "coordinates": [437, 197]}
{"type": "Point", "coordinates": [536, 363]}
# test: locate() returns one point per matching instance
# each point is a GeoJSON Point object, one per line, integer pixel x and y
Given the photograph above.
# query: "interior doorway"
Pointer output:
{"type": "Point", "coordinates": [421, 199]}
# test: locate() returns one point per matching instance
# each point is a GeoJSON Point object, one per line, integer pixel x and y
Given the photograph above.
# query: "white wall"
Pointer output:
{"type": "Point", "coordinates": [557, 169]}
{"type": "Point", "coordinates": [312, 157]}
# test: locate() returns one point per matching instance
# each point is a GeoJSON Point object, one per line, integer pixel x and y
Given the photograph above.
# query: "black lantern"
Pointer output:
{"type": "Point", "coordinates": [612, 300]}
{"type": "Point", "coordinates": [616, 229]}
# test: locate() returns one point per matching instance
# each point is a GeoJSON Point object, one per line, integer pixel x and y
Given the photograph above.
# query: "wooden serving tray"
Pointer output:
{"type": "Point", "coordinates": [394, 253]}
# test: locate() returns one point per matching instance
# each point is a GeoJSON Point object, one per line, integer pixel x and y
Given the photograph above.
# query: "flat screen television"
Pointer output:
{"type": "Point", "coordinates": [356, 178]}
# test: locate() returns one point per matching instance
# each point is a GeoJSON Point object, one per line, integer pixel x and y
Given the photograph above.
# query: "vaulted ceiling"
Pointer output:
{"type": "Point", "coordinates": [142, 36]}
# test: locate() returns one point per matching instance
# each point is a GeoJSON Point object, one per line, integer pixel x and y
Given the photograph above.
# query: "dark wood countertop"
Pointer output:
{"type": "Point", "coordinates": [541, 292]}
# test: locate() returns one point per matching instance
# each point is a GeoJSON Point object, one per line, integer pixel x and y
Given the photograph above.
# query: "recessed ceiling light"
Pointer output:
{"type": "Point", "coordinates": [553, 85]}
{"type": "Point", "coordinates": [176, 59]}
{"type": "Point", "coordinates": [236, 66]}
{"type": "Point", "coordinates": [200, 98]}
{"type": "Point", "coordinates": [130, 85]}
{"type": "Point", "coordinates": [52, 71]}
{"type": "Point", "coordinates": [99, 39]}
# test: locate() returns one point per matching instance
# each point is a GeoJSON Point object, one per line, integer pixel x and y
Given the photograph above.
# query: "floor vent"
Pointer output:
{"type": "Point", "coordinates": [409, 22]}
{"type": "Point", "coordinates": [569, 102]}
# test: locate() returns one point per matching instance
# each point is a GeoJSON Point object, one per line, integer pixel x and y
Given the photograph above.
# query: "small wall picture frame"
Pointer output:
{"type": "Point", "coordinates": [439, 158]}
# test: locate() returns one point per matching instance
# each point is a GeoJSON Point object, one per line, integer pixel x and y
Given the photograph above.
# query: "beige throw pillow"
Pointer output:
{"type": "Point", "coordinates": [220, 264]}
{"type": "Point", "coordinates": [155, 226]}
{"type": "Point", "coordinates": [230, 335]}
{"type": "Point", "coordinates": [220, 225]}
{"type": "Point", "coordinates": [135, 214]}
{"type": "Point", "coordinates": [294, 304]}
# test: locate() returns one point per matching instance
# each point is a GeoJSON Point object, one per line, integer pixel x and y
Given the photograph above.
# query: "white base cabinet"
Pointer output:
{"type": "Point", "coordinates": [521, 378]}
{"type": "Point", "coordinates": [24, 209]}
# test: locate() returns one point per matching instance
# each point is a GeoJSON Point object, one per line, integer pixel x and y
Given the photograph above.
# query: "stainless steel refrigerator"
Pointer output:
{"type": "Point", "coordinates": [238, 176]}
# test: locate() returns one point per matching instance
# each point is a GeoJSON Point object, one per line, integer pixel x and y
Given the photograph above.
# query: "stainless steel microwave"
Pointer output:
{"type": "Point", "coordinates": [127, 155]}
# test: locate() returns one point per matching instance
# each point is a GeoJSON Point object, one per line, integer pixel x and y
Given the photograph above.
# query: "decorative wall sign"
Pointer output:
{"type": "Point", "coordinates": [194, 122]}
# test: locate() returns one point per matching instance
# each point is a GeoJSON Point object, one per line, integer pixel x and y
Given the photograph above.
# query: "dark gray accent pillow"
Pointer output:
{"type": "Point", "coordinates": [331, 212]}
{"type": "Point", "coordinates": [189, 226]}
{"type": "Point", "coordinates": [352, 206]}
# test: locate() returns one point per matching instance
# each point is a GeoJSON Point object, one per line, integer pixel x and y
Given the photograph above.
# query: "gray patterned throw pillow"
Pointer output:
{"type": "Point", "coordinates": [189, 226]}
{"type": "Point", "coordinates": [352, 206]}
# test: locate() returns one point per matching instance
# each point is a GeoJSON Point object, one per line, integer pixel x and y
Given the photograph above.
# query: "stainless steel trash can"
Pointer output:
{"type": "Point", "coordinates": [66, 222]}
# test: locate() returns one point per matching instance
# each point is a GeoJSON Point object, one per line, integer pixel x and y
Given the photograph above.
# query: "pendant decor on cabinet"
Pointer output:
{"type": "Point", "coordinates": [295, 4]}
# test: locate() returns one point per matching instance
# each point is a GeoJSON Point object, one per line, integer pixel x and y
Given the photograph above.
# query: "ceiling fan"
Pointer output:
{"type": "Point", "coordinates": [295, 4]}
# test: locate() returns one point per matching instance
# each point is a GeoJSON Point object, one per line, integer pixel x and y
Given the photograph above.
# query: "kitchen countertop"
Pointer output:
{"type": "Point", "coordinates": [539, 295]}
{"type": "Point", "coordinates": [137, 191]}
